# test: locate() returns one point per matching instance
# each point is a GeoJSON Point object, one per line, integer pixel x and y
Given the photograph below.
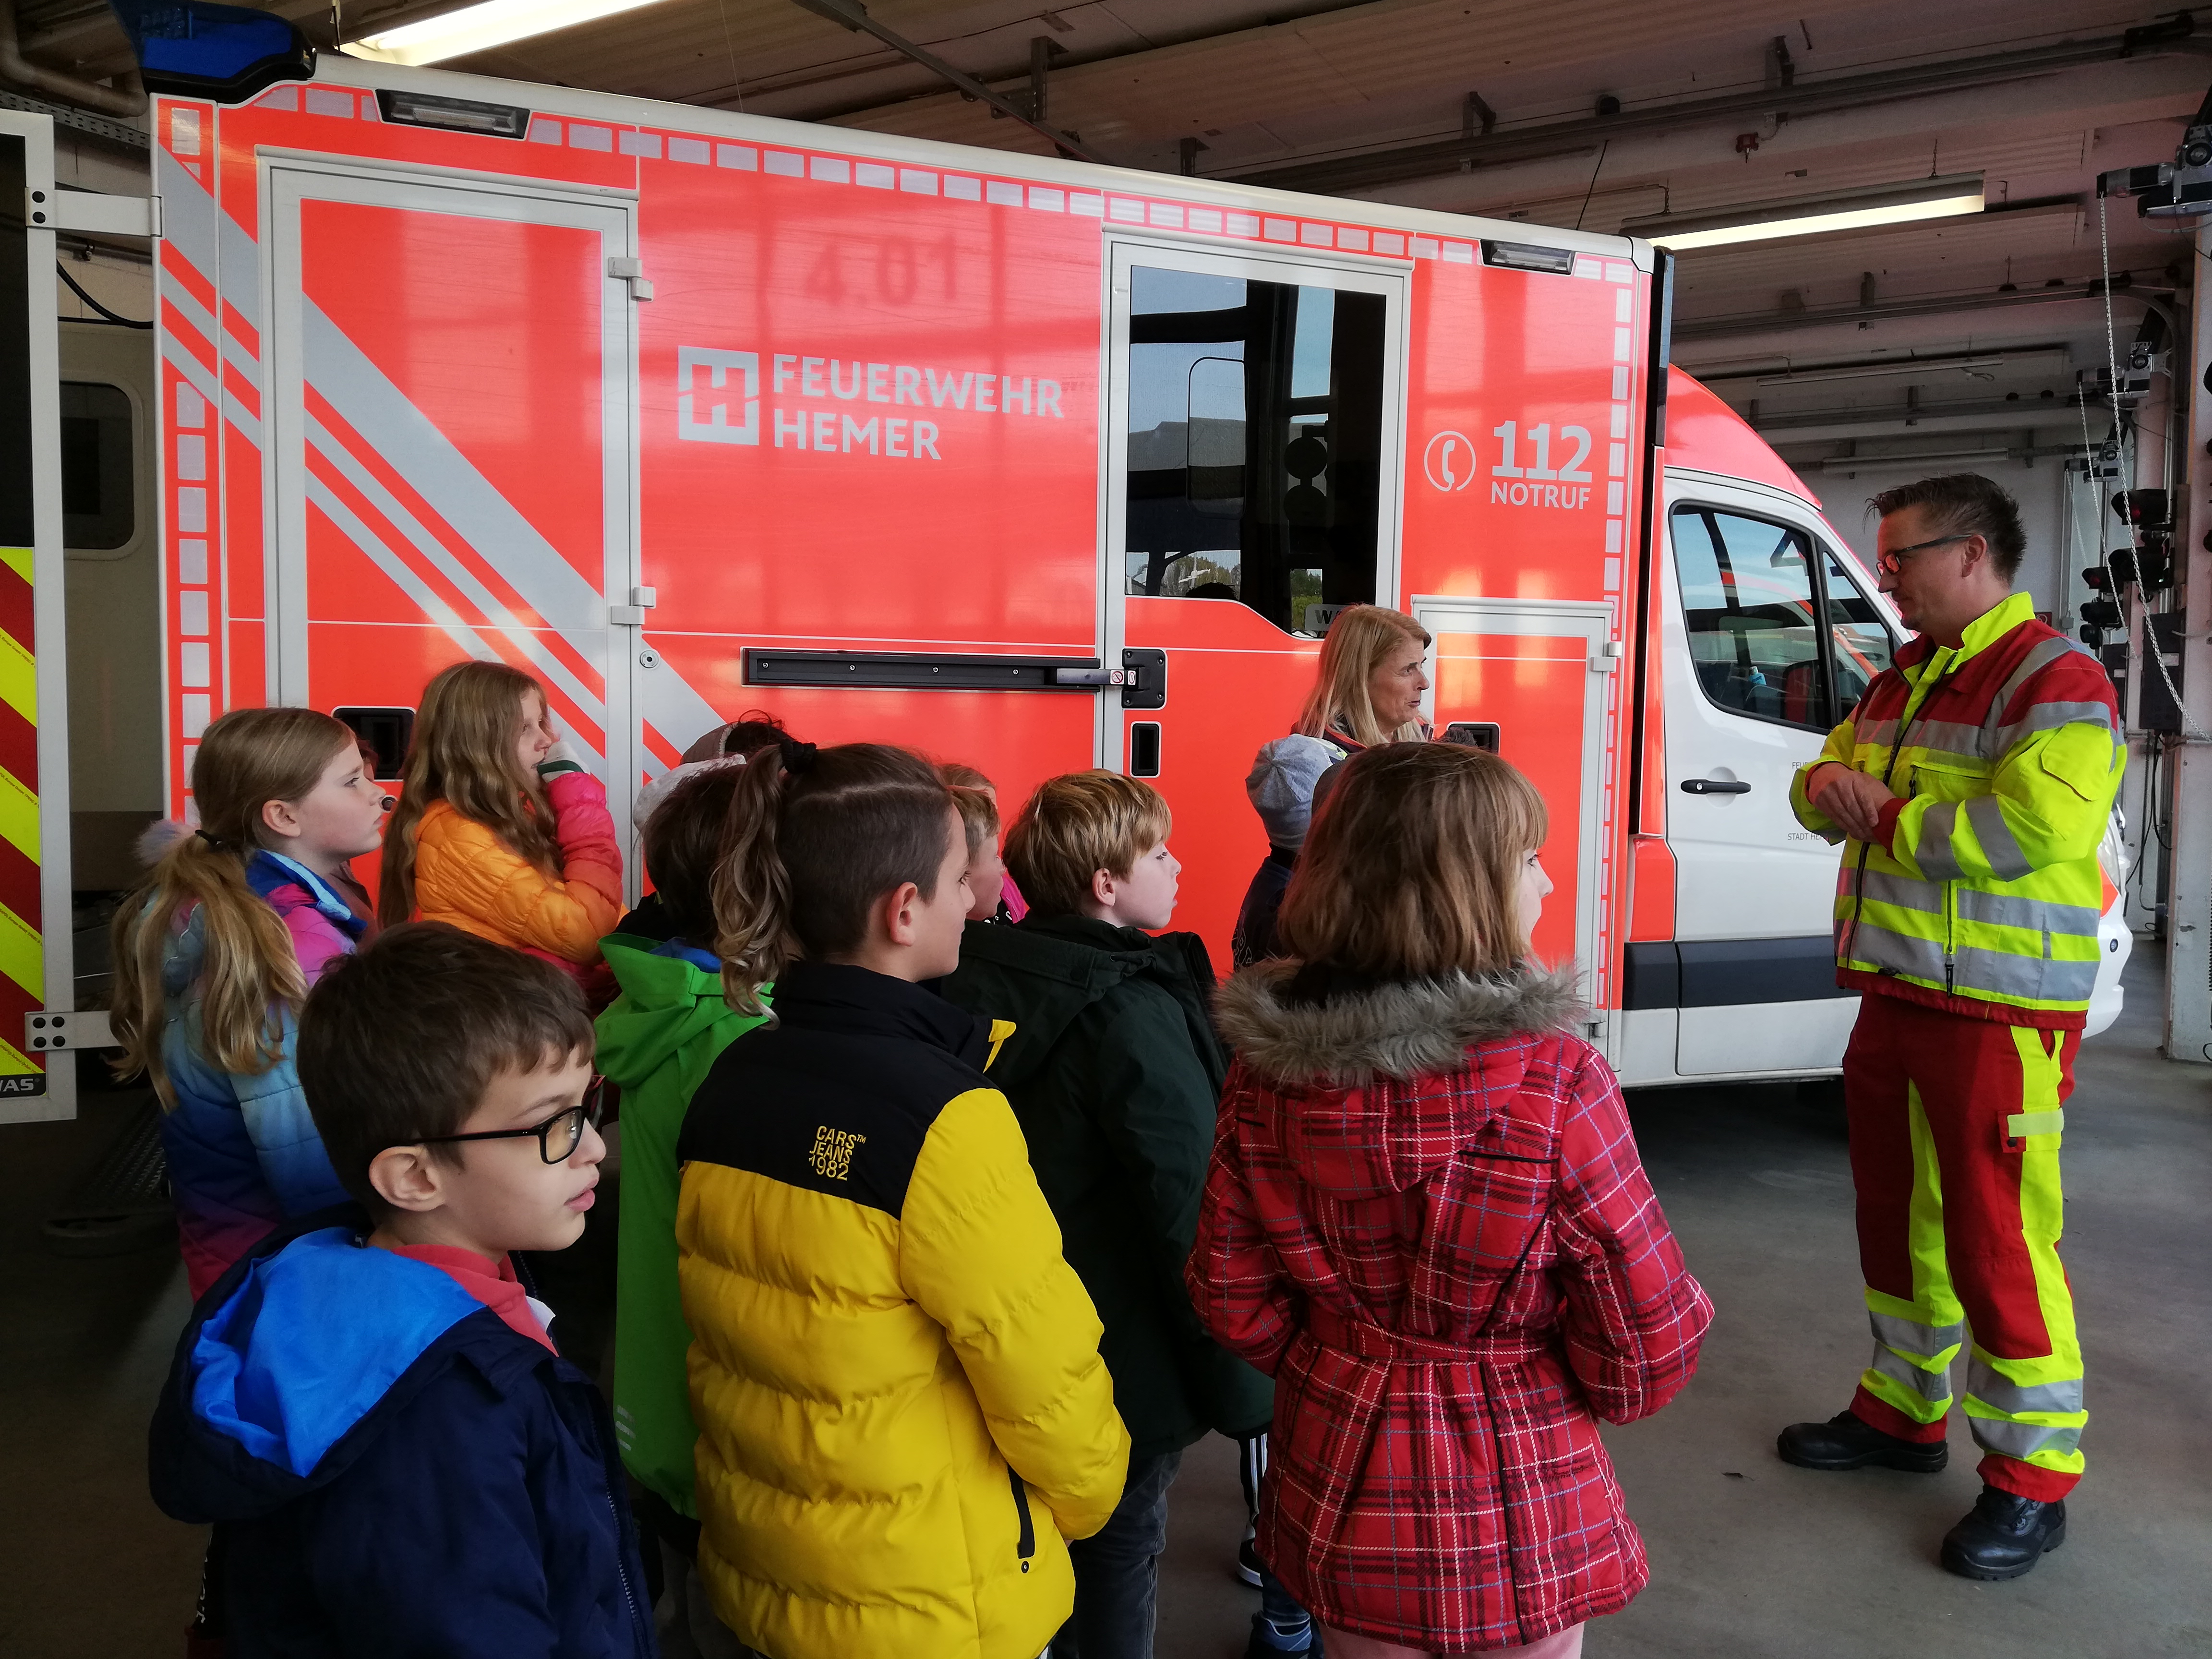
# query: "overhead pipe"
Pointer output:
{"type": "Point", "coordinates": [124, 101]}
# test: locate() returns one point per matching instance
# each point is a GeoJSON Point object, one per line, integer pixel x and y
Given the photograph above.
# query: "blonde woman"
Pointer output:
{"type": "Point", "coordinates": [1367, 692]}
{"type": "Point", "coordinates": [1368, 688]}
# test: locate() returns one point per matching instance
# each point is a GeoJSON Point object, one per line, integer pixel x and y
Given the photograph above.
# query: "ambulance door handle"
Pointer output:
{"type": "Point", "coordinates": [1714, 787]}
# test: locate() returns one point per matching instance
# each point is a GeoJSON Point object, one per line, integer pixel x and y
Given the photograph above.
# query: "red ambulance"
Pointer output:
{"type": "Point", "coordinates": [1022, 462]}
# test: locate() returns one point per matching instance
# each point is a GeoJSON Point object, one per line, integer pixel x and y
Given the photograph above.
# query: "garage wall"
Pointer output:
{"type": "Point", "coordinates": [2049, 569]}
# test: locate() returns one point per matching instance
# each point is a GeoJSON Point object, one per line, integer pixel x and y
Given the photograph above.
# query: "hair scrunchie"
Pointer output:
{"type": "Point", "coordinates": [797, 757]}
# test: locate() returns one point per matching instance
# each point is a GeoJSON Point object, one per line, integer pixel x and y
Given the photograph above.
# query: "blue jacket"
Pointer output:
{"type": "Point", "coordinates": [242, 1150]}
{"type": "Point", "coordinates": [392, 1470]}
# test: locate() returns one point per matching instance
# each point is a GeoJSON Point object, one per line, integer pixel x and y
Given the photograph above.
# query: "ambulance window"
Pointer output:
{"type": "Point", "coordinates": [1255, 442]}
{"type": "Point", "coordinates": [99, 508]}
{"type": "Point", "coordinates": [1859, 641]}
{"type": "Point", "coordinates": [1748, 598]}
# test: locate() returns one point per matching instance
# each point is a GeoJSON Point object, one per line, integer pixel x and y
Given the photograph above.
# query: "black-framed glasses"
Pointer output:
{"type": "Point", "coordinates": [1891, 562]}
{"type": "Point", "coordinates": [558, 1136]}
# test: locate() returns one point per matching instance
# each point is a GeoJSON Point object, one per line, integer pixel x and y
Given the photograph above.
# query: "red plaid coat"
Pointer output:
{"type": "Point", "coordinates": [1426, 1218]}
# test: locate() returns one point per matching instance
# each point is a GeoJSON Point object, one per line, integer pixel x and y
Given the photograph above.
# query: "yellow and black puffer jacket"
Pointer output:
{"type": "Point", "coordinates": [901, 1411]}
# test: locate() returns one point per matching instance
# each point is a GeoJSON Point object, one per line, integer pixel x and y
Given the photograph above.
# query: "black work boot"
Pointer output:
{"type": "Point", "coordinates": [2005, 1535]}
{"type": "Point", "coordinates": [1843, 1442]}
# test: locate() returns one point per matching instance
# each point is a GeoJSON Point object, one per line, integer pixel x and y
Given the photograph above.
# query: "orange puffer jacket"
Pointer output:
{"type": "Point", "coordinates": [465, 874]}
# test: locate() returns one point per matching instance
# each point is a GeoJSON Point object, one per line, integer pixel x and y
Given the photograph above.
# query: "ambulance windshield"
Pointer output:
{"type": "Point", "coordinates": [1255, 442]}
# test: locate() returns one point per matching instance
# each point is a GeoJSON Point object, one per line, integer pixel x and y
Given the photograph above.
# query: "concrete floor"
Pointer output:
{"type": "Point", "coordinates": [1748, 1557]}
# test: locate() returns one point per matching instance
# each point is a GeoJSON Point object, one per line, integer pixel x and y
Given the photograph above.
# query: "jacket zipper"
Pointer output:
{"type": "Point", "coordinates": [1027, 1546]}
{"type": "Point", "coordinates": [1913, 710]}
{"type": "Point", "coordinates": [638, 1627]}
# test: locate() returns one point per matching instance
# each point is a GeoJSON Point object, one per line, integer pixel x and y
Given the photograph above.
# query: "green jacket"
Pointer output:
{"type": "Point", "coordinates": [657, 1040]}
{"type": "Point", "coordinates": [1115, 1074]}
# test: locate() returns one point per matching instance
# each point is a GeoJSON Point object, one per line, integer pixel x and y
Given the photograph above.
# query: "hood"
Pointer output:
{"type": "Point", "coordinates": [1040, 974]}
{"type": "Point", "coordinates": [670, 995]}
{"type": "Point", "coordinates": [1396, 1030]}
{"type": "Point", "coordinates": [269, 873]}
{"type": "Point", "coordinates": [293, 1361]}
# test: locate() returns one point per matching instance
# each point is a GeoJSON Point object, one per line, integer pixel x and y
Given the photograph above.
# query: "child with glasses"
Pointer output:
{"type": "Point", "coordinates": [369, 1407]}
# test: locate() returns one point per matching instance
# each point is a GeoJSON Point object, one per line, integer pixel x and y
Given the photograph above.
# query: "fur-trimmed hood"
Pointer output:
{"type": "Point", "coordinates": [1399, 1029]}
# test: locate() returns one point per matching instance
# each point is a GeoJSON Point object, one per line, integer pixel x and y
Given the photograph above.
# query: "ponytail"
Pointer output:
{"type": "Point", "coordinates": [250, 975]}
{"type": "Point", "coordinates": [751, 889]}
{"type": "Point", "coordinates": [813, 839]}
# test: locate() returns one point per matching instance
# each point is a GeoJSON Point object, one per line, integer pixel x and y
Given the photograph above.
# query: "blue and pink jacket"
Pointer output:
{"type": "Point", "coordinates": [243, 1153]}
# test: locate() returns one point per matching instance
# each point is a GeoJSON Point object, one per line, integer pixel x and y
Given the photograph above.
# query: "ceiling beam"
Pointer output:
{"type": "Point", "coordinates": [1346, 175]}
{"type": "Point", "coordinates": [1776, 322]}
{"type": "Point", "coordinates": [854, 15]}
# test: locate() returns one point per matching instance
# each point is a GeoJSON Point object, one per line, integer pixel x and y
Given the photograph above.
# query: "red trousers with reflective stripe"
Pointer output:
{"type": "Point", "coordinates": [1954, 1131]}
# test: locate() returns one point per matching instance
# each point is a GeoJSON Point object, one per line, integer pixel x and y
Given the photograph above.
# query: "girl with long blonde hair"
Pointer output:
{"type": "Point", "coordinates": [1426, 1219]}
{"type": "Point", "coordinates": [213, 955]}
{"type": "Point", "coordinates": [500, 830]}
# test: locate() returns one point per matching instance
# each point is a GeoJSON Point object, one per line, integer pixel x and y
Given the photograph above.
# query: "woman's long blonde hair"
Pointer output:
{"type": "Point", "coordinates": [463, 753]}
{"type": "Point", "coordinates": [1412, 867]}
{"type": "Point", "coordinates": [247, 759]}
{"type": "Point", "coordinates": [1359, 640]}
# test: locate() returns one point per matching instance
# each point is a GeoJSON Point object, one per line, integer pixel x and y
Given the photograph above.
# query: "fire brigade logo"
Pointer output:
{"type": "Point", "coordinates": [832, 1156]}
{"type": "Point", "coordinates": [717, 428]}
{"type": "Point", "coordinates": [1450, 461]}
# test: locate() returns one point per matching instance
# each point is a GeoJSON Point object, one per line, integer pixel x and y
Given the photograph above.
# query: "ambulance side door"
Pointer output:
{"type": "Point", "coordinates": [1769, 642]}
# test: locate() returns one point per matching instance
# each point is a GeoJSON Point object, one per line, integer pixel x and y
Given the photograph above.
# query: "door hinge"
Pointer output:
{"type": "Point", "coordinates": [641, 600]}
{"type": "Point", "coordinates": [628, 268]}
{"type": "Point", "coordinates": [1608, 657]}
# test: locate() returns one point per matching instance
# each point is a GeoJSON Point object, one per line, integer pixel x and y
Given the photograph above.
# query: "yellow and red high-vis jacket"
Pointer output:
{"type": "Point", "coordinates": [1981, 892]}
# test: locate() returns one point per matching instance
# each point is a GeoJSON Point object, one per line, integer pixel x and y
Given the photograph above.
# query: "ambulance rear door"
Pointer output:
{"type": "Point", "coordinates": [1770, 634]}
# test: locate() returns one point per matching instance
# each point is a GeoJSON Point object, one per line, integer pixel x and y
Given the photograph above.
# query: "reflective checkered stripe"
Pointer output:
{"type": "Point", "coordinates": [22, 971]}
{"type": "Point", "coordinates": [2006, 753]}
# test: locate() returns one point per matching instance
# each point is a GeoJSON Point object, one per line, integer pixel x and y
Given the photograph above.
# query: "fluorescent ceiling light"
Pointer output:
{"type": "Point", "coordinates": [1850, 209]}
{"type": "Point", "coordinates": [479, 27]}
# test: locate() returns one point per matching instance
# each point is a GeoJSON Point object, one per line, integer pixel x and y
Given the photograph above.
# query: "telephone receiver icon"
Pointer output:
{"type": "Point", "coordinates": [1444, 464]}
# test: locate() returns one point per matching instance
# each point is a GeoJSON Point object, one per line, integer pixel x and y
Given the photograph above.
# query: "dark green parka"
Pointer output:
{"type": "Point", "coordinates": [1115, 1074]}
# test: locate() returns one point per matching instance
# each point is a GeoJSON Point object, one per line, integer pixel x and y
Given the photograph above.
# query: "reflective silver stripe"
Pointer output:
{"type": "Point", "coordinates": [2039, 658]}
{"type": "Point", "coordinates": [1877, 948]}
{"type": "Point", "coordinates": [2000, 1393]}
{"type": "Point", "coordinates": [2049, 717]}
{"type": "Point", "coordinates": [1909, 1337]}
{"type": "Point", "coordinates": [1934, 1387]}
{"type": "Point", "coordinates": [1986, 814]}
{"type": "Point", "coordinates": [2023, 1440]}
{"type": "Point", "coordinates": [1881, 733]}
{"type": "Point", "coordinates": [2030, 979]}
{"type": "Point", "coordinates": [1906, 892]}
{"type": "Point", "coordinates": [1948, 738]}
{"type": "Point", "coordinates": [1932, 850]}
{"type": "Point", "coordinates": [2037, 915]}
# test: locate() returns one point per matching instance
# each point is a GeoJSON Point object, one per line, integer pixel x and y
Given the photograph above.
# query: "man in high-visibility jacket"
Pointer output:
{"type": "Point", "coordinates": [1971, 789]}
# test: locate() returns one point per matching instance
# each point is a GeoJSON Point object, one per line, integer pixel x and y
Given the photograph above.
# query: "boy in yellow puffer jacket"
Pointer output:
{"type": "Point", "coordinates": [902, 1413]}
